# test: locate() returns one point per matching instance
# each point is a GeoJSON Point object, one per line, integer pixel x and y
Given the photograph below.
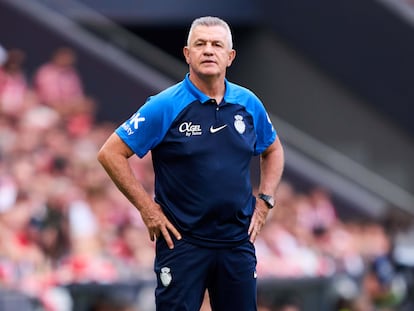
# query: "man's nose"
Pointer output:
{"type": "Point", "coordinates": [208, 48]}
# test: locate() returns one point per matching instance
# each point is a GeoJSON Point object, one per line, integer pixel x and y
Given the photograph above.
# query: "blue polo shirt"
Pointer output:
{"type": "Point", "coordinates": [201, 154]}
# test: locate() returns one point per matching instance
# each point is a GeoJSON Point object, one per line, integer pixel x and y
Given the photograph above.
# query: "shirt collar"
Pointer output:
{"type": "Point", "coordinates": [200, 95]}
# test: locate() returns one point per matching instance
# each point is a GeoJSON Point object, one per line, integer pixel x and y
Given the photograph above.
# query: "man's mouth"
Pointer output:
{"type": "Point", "coordinates": [208, 61]}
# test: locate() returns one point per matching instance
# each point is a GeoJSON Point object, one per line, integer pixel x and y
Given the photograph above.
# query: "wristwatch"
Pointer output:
{"type": "Point", "coordinates": [269, 200]}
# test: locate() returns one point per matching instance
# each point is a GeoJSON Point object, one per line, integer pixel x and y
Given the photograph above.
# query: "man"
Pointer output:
{"type": "Point", "coordinates": [203, 133]}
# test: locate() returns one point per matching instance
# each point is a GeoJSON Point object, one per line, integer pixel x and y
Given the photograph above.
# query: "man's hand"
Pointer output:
{"type": "Point", "coordinates": [157, 223]}
{"type": "Point", "coordinates": [114, 156]}
{"type": "Point", "coordinates": [258, 219]}
{"type": "Point", "coordinates": [271, 169]}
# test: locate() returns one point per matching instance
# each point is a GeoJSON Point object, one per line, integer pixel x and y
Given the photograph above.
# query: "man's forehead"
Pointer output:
{"type": "Point", "coordinates": [209, 33]}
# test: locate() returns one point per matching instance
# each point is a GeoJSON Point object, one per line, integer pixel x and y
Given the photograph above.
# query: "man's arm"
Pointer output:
{"type": "Point", "coordinates": [114, 156]}
{"type": "Point", "coordinates": [271, 168]}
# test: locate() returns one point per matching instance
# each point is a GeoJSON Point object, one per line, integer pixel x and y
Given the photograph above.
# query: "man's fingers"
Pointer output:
{"type": "Point", "coordinates": [254, 228]}
{"type": "Point", "coordinates": [166, 234]}
{"type": "Point", "coordinates": [151, 235]}
{"type": "Point", "coordinates": [252, 223]}
{"type": "Point", "coordinates": [174, 231]}
{"type": "Point", "coordinates": [255, 232]}
{"type": "Point", "coordinates": [167, 238]}
{"type": "Point", "coordinates": [160, 225]}
{"type": "Point", "coordinates": [253, 236]}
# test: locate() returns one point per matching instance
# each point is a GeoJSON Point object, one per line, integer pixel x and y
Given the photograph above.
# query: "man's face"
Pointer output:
{"type": "Point", "coordinates": [208, 52]}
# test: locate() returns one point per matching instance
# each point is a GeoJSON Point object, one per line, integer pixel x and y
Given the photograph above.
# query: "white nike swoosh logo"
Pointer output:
{"type": "Point", "coordinates": [215, 130]}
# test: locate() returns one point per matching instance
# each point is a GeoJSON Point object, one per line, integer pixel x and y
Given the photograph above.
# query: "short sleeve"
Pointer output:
{"type": "Point", "coordinates": [144, 129]}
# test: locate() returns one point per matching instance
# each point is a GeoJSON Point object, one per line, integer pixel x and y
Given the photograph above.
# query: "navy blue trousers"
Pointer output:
{"type": "Point", "coordinates": [185, 272]}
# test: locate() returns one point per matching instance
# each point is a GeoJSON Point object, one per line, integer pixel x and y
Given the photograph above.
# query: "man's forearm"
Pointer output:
{"type": "Point", "coordinates": [271, 168]}
{"type": "Point", "coordinates": [117, 166]}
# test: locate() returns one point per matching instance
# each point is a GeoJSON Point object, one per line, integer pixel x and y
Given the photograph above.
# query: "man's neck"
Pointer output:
{"type": "Point", "coordinates": [213, 87]}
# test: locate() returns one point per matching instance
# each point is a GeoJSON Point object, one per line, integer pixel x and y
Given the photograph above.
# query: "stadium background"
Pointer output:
{"type": "Point", "coordinates": [335, 76]}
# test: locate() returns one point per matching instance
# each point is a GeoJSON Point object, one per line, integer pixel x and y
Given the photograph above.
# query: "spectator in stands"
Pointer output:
{"type": "Point", "coordinates": [58, 82]}
{"type": "Point", "coordinates": [284, 248]}
{"type": "Point", "coordinates": [8, 185]}
{"type": "Point", "coordinates": [317, 214]}
{"type": "Point", "coordinates": [14, 88]}
{"type": "Point", "coordinates": [134, 251]}
{"type": "Point", "coordinates": [58, 85]}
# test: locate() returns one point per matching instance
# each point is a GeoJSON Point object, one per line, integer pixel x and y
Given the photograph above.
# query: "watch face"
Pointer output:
{"type": "Point", "coordinates": [270, 201]}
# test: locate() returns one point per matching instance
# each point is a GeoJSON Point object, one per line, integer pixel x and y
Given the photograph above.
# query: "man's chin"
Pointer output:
{"type": "Point", "coordinates": [209, 73]}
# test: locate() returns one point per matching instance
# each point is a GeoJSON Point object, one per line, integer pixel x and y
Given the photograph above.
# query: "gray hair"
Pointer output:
{"type": "Point", "coordinates": [211, 21]}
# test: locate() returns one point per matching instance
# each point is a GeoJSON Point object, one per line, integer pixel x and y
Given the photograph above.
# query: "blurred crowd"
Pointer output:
{"type": "Point", "coordinates": [62, 221]}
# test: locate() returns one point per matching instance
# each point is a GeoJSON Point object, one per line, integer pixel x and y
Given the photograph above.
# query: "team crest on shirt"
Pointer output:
{"type": "Point", "coordinates": [165, 276]}
{"type": "Point", "coordinates": [239, 124]}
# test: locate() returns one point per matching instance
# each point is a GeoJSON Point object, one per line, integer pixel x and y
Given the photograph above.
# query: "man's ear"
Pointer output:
{"type": "Point", "coordinates": [186, 53]}
{"type": "Point", "coordinates": [232, 56]}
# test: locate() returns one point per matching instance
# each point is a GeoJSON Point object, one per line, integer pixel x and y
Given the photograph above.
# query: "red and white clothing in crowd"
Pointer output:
{"type": "Point", "coordinates": [13, 89]}
{"type": "Point", "coordinates": [57, 85]}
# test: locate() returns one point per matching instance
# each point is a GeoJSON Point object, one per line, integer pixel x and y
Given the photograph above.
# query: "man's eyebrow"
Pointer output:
{"type": "Point", "coordinates": [206, 40]}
